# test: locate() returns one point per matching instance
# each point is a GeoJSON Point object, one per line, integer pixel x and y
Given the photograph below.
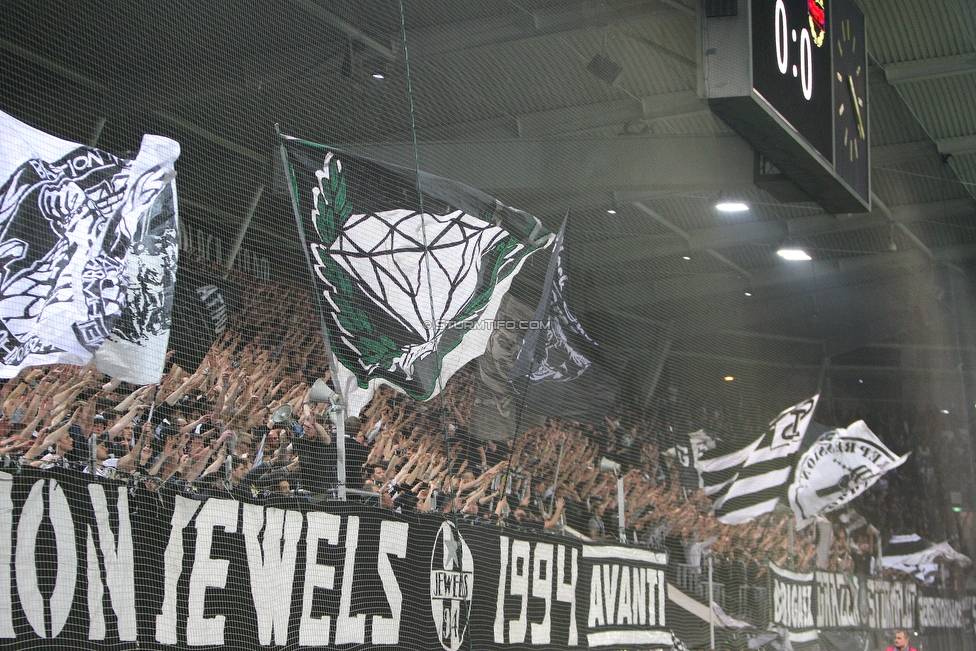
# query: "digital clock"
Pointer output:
{"type": "Point", "coordinates": [791, 66]}
{"type": "Point", "coordinates": [790, 76]}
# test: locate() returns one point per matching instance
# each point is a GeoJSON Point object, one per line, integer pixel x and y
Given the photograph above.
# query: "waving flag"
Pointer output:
{"type": "Point", "coordinates": [751, 481]}
{"type": "Point", "coordinates": [913, 555]}
{"type": "Point", "coordinates": [202, 308]}
{"type": "Point", "coordinates": [839, 465]}
{"type": "Point", "coordinates": [409, 269]}
{"type": "Point", "coordinates": [88, 248]}
{"type": "Point", "coordinates": [554, 373]}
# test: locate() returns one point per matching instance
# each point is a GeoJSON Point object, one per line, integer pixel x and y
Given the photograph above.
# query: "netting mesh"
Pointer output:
{"type": "Point", "coordinates": [392, 176]}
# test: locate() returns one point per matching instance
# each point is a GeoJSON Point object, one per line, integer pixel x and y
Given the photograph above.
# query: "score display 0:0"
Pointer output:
{"type": "Point", "coordinates": [783, 36]}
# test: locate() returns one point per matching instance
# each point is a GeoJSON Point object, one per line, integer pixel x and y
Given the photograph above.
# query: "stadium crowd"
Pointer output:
{"type": "Point", "coordinates": [210, 432]}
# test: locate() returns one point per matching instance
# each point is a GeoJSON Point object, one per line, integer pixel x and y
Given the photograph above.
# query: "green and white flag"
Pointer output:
{"type": "Point", "coordinates": [409, 270]}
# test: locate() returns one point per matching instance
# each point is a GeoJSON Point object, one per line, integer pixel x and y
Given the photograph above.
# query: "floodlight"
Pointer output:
{"type": "Point", "coordinates": [731, 206]}
{"type": "Point", "coordinates": [793, 253]}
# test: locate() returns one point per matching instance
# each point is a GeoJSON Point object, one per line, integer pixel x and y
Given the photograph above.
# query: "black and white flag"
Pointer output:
{"type": "Point", "coordinates": [685, 453]}
{"type": "Point", "coordinates": [410, 268]}
{"type": "Point", "coordinates": [914, 555]}
{"type": "Point", "coordinates": [88, 247]}
{"type": "Point", "coordinates": [555, 373]}
{"type": "Point", "coordinates": [749, 482]}
{"type": "Point", "coordinates": [840, 465]}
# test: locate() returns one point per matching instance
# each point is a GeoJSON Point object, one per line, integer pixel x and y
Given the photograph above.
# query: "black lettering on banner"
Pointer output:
{"type": "Point", "coordinates": [891, 605]}
{"type": "Point", "coordinates": [940, 612]}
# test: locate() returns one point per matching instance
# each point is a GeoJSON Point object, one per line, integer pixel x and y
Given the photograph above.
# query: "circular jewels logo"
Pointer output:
{"type": "Point", "coordinates": [451, 582]}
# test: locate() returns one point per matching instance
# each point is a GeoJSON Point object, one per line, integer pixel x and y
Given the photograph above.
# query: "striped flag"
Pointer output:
{"type": "Point", "coordinates": [751, 481]}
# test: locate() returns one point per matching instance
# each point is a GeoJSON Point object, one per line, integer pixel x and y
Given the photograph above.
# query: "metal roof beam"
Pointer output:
{"type": "Point", "coordinates": [669, 105]}
{"type": "Point", "coordinates": [935, 68]}
{"type": "Point", "coordinates": [957, 146]}
{"type": "Point", "coordinates": [625, 164]}
{"type": "Point", "coordinates": [933, 210]}
{"type": "Point", "coordinates": [844, 315]}
{"type": "Point", "coordinates": [905, 152]}
{"type": "Point", "coordinates": [679, 232]}
{"type": "Point", "coordinates": [577, 119]}
{"type": "Point", "coordinates": [783, 281]}
{"type": "Point", "coordinates": [199, 131]}
{"type": "Point", "coordinates": [772, 231]}
{"type": "Point", "coordinates": [573, 119]}
{"type": "Point", "coordinates": [349, 30]}
{"type": "Point", "coordinates": [445, 38]}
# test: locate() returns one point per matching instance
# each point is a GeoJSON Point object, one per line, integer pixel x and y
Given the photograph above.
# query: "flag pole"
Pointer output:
{"type": "Point", "coordinates": [333, 362]}
{"type": "Point", "coordinates": [555, 479]}
{"type": "Point", "coordinates": [711, 606]}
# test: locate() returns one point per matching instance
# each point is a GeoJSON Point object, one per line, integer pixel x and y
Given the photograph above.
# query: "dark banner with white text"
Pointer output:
{"type": "Point", "coordinates": [102, 564]}
{"type": "Point", "coordinates": [844, 611]}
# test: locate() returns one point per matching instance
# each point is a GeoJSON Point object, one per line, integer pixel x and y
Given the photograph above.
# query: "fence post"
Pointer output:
{"type": "Point", "coordinates": [711, 607]}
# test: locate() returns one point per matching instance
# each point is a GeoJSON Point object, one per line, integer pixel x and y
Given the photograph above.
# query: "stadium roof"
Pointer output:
{"type": "Point", "coordinates": [505, 97]}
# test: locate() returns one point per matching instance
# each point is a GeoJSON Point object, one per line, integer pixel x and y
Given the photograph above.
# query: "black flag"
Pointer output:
{"type": "Point", "coordinates": [201, 308]}
{"type": "Point", "coordinates": [554, 373]}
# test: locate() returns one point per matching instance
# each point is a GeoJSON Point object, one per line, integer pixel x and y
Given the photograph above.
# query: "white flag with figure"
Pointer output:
{"type": "Point", "coordinates": [839, 466]}
{"type": "Point", "coordinates": [88, 248]}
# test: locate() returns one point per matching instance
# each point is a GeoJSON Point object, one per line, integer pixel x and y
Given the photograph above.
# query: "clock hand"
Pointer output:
{"type": "Point", "coordinates": [857, 108]}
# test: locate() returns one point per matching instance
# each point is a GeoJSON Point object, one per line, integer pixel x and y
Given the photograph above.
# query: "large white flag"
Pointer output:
{"type": "Point", "coordinates": [88, 249]}
{"type": "Point", "coordinates": [839, 466]}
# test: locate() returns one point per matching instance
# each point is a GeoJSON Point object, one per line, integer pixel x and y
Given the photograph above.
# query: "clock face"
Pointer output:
{"type": "Point", "coordinates": [850, 92]}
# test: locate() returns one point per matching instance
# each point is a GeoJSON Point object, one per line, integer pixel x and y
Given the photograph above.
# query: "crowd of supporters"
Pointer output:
{"type": "Point", "coordinates": [209, 432]}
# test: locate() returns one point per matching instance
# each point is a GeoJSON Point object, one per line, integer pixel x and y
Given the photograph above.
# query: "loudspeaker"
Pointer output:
{"type": "Point", "coordinates": [282, 416]}
{"type": "Point", "coordinates": [606, 465]}
{"type": "Point", "coordinates": [320, 392]}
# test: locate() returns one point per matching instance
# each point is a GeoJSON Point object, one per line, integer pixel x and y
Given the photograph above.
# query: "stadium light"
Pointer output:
{"type": "Point", "coordinates": [731, 206]}
{"type": "Point", "coordinates": [793, 253]}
